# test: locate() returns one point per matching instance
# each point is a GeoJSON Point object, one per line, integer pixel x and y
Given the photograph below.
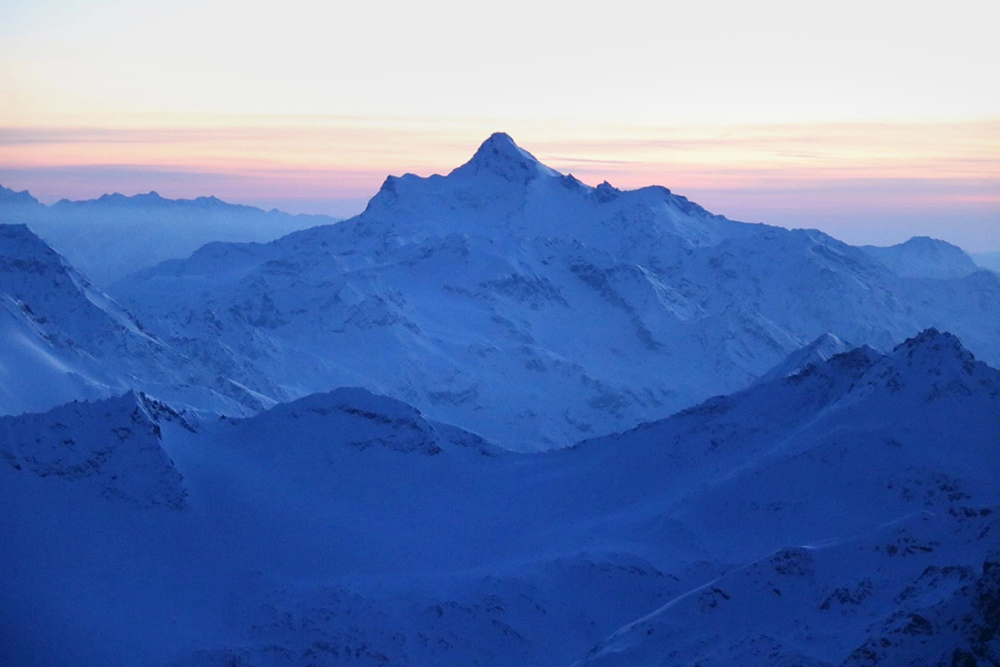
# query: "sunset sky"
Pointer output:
{"type": "Point", "coordinates": [874, 121]}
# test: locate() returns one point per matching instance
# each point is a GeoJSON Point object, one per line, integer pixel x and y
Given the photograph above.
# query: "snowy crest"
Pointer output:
{"type": "Point", "coordinates": [933, 365]}
{"type": "Point", "coordinates": [354, 418]}
{"type": "Point", "coordinates": [500, 156]}
{"type": "Point", "coordinates": [113, 445]}
{"type": "Point", "coordinates": [924, 257]}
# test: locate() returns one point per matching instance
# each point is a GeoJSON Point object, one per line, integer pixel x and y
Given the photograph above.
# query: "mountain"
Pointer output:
{"type": "Point", "coordinates": [17, 200]}
{"type": "Point", "coordinates": [847, 514]}
{"type": "Point", "coordinates": [918, 591]}
{"type": "Point", "coordinates": [819, 350]}
{"type": "Point", "coordinates": [883, 431]}
{"type": "Point", "coordinates": [63, 339]}
{"type": "Point", "coordinates": [114, 235]}
{"type": "Point", "coordinates": [531, 308]}
{"type": "Point", "coordinates": [114, 449]}
{"type": "Point", "coordinates": [924, 257]}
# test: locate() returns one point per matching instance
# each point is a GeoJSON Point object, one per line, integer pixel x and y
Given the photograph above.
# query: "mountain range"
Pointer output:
{"type": "Point", "coordinates": [525, 305]}
{"type": "Point", "coordinates": [112, 236]}
{"type": "Point", "coordinates": [843, 515]}
{"type": "Point", "coordinates": [499, 418]}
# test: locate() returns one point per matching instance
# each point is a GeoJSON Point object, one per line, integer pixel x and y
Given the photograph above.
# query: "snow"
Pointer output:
{"type": "Point", "coordinates": [808, 605]}
{"type": "Point", "coordinates": [924, 257]}
{"type": "Point", "coordinates": [62, 339]}
{"type": "Point", "coordinates": [819, 350]}
{"type": "Point", "coordinates": [799, 520]}
{"type": "Point", "coordinates": [437, 434]}
{"type": "Point", "coordinates": [526, 306]}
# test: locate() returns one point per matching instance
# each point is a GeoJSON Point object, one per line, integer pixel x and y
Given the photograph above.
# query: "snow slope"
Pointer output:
{"type": "Point", "coordinates": [924, 257]}
{"type": "Point", "coordinates": [846, 511]}
{"type": "Point", "coordinates": [526, 306]}
{"type": "Point", "coordinates": [62, 339]}
{"type": "Point", "coordinates": [810, 605]}
{"type": "Point", "coordinates": [112, 236]}
{"type": "Point", "coordinates": [819, 350]}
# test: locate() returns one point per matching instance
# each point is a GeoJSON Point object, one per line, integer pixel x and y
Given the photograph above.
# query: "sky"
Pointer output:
{"type": "Point", "coordinates": [874, 121]}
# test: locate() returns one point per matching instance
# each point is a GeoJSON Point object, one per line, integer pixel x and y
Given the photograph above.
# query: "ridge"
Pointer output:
{"type": "Point", "coordinates": [500, 156]}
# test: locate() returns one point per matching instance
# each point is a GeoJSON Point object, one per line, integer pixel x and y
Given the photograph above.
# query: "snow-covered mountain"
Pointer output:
{"type": "Point", "coordinates": [877, 504]}
{"type": "Point", "coordinates": [819, 350]}
{"type": "Point", "coordinates": [526, 306]}
{"type": "Point", "coordinates": [847, 514]}
{"type": "Point", "coordinates": [917, 591]}
{"type": "Point", "coordinates": [62, 339]}
{"type": "Point", "coordinates": [112, 236]}
{"type": "Point", "coordinates": [924, 257]}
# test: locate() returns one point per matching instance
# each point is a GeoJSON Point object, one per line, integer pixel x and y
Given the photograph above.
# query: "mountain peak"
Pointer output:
{"type": "Point", "coordinates": [926, 241]}
{"type": "Point", "coordinates": [931, 342]}
{"type": "Point", "coordinates": [500, 156]}
{"type": "Point", "coordinates": [819, 350]}
{"type": "Point", "coordinates": [12, 197]}
{"type": "Point", "coordinates": [501, 143]}
{"type": "Point", "coordinates": [115, 446]}
{"type": "Point", "coordinates": [117, 199]}
{"type": "Point", "coordinates": [924, 257]}
{"type": "Point", "coordinates": [936, 363]}
{"type": "Point", "coordinates": [361, 419]}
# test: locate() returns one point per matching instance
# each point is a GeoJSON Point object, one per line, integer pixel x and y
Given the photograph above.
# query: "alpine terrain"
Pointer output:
{"type": "Point", "coordinates": [526, 306]}
{"type": "Point", "coordinates": [62, 339]}
{"type": "Point", "coordinates": [499, 418]}
{"type": "Point", "coordinates": [844, 515]}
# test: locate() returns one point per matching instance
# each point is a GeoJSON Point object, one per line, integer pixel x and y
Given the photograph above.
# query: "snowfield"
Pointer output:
{"type": "Point", "coordinates": [846, 511]}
